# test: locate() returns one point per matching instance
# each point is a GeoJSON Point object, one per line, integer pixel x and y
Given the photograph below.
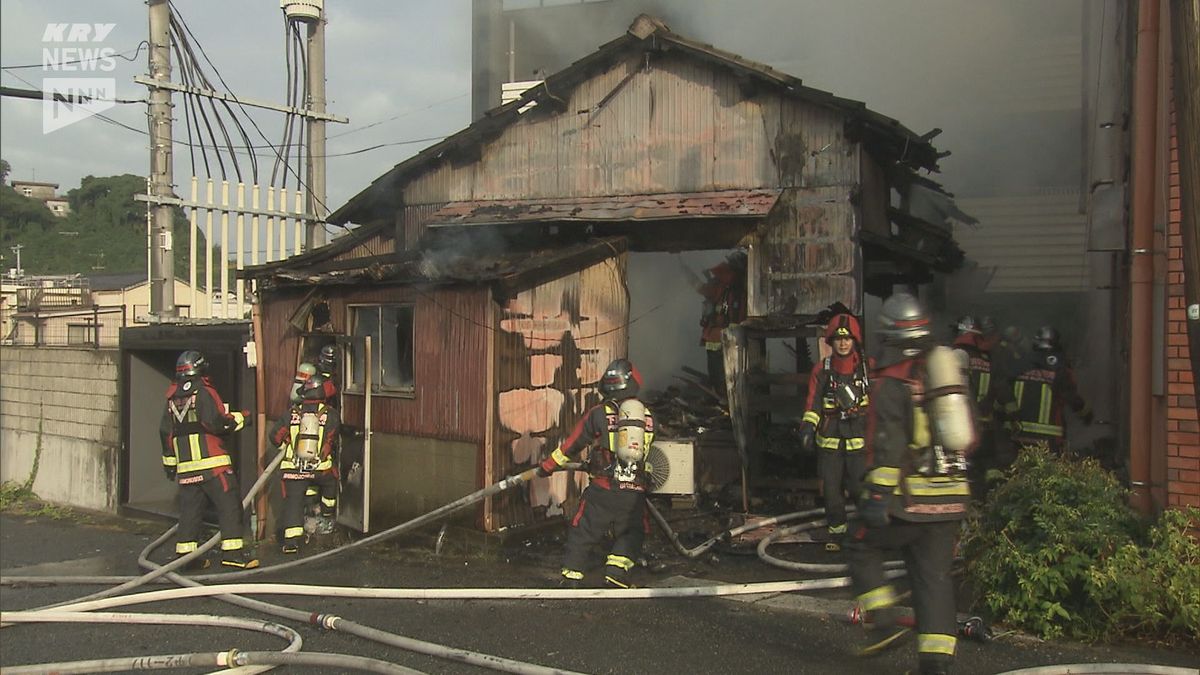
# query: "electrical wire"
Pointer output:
{"type": "Point", "coordinates": [43, 65]}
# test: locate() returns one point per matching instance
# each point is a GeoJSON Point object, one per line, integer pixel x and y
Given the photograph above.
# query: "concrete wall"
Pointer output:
{"type": "Point", "coordinates": [75, 395]}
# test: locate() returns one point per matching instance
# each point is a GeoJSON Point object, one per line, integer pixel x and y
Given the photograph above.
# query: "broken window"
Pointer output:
{"type": "Point", "coordinates": [390, 328]}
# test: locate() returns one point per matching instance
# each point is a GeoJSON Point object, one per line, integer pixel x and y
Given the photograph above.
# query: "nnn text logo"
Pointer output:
{"type": "Point", "coordinates": [74, 49]}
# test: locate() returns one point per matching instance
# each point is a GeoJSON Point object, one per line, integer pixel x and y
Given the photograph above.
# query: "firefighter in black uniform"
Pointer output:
{"type": "Point", "coordinates": [309, 435]}
{"type": "Point", "coordinates": [194, 456]}
{"type": "Point", "coordinates": [327, 365]}
{"type": "Point", "coordinates": [619, 430]}
{"type": "Point", "coordinates": [835, 420]}
{"type": "Point", "coordinates": [914, 494]}
{"type": "Point", "coordinates": [975, 352]}
{"type": "Point", "coordinates": [1036, 404]}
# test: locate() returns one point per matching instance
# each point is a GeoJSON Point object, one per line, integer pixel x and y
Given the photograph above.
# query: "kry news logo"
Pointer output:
{"type": "Point", "coordinates": [75, 48]}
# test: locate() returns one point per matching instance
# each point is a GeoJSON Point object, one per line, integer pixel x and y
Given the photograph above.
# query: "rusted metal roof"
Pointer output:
{"type": "Point", "coordinates": [883, 135]}
{"type": "Point", "coordinates": [720, 204]}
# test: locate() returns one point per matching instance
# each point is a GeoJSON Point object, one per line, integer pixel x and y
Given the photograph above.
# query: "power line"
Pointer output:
{"type": "Point", "coordinates": [45, 65]}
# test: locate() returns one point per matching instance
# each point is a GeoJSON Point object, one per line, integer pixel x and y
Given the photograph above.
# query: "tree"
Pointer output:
{"type": "Point", "coordinates": [5, 169]}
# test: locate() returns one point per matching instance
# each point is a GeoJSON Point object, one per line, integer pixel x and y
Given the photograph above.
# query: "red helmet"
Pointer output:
{"type": "Point", "coordinates": [843, 325]}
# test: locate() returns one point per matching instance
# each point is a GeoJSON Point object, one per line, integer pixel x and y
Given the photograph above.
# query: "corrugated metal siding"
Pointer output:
{"type": "Point", "coordinates": [378, 244]}
{"type": "Point", "coordinates": [809, 255]}
{"type": "Point", "coordinates": [412, 221]}
{"type": "Point", "coordinates": [677, 125]}
{"type": "Point", "coordinates": [1036, 243]}
{"type": "Point", "coordinates": [450, 376]}
{"type": "Point", "coordinates": [450, 400]}
{"type": "Point", "coordinates": [553, 342]}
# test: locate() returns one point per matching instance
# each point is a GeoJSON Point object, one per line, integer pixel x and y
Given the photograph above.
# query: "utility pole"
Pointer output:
{"type": "Point", "coordinates": [17, 249]}
{"type": "Point", "coordinates": [162, 259]}
{"type": "Point", "coordinates": [315, 230]}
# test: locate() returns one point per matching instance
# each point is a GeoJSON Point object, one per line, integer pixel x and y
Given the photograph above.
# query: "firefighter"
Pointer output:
{"type": "Point", "coordinates": [195, 457]}
{"type": "Point", "coordinates": [916, 490]}
{"type": "Point", "coordinates": [724, 294]}
{"type": "Point", "coordinates": [327, 365]}
{"type": "Point", "coordinates": [308, 435]}
{"type": "Point", "coordinates": [1036, 404]}
{"type": "Point", "coordinates": [619, 431]}
{"type": "Point", "coordinates": [972, 343]}
{"type": "Point", "coordinates": [835, 420]}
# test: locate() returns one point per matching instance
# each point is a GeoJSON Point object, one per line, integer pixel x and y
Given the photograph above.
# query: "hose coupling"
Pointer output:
{"type": "Point", "coordinates": [229, 659]}
{"type": "Point", "coordinates": [326, 621]}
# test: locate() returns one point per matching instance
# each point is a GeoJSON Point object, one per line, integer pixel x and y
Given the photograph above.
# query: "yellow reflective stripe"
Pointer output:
{"type": "Point", "coordinates": [170, 461]}
{"type": "Point", "coordinates": [836, 443]}
{"type": "Point", "coordinates": [293, 532]}
{"type": "Point", "coordinates": [888, 476]}
{"type": "Point", "coordinates": [1043, 429]}
{"type": "Point", "coordinates": [837, 529]}
{"type": "Point", "coordinates": [232, 544]}
{"type": "Point", "coordinates": [310, 492]}
{"type": "Point", "coordinates": [811, 417]}
{"type": "Point", "coordinates": [619, 561]}
{"type": "Point", "coordinates": [936, 643]}
{"type": "Point", "coordinates": [985, 383]}
{"type": "Point", "coordinates": [1044, 405]}
{"type": "Point", "coordinates": [572, 574]}
{"type": "Point", "coordinates": [205, 463]}
{"type": "Point", "coordinates": [185, 547]}
{"type": "Point", "coordinates": [830, 403]}
{"type": "Point", "coordinates": [1018, 394]}
{"type": "Point", "coordinates": [558, 457]}
{"type": "Point", "coordinates": [328, 502]}
{"type": "Point", "coordinates": [194, 444]}
{"type": "Point", "coordinates": [866, 401]}
{"type": "Point", "coordinates": [884, 596]}
{"type": "Point", "coordinates": [921, 437]}
{"type": "Point", "coordinates": [936, 486]}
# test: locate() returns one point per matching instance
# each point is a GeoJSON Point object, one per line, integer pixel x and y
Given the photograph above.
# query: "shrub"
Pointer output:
{"type": "Point", "coordinates": [1153, 591]}
{"type": "Point", "coordinates": [1036, 543]}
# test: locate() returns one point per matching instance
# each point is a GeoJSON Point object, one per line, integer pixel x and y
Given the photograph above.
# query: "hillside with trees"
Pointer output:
{"type": "Point", "coordinates": [104, 233]}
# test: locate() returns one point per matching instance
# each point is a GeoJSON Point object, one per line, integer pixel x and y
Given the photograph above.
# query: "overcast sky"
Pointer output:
{"type": "Point", "coordinates": [385, 59]}
{"type": "Point", "coordinates": [401, 69]}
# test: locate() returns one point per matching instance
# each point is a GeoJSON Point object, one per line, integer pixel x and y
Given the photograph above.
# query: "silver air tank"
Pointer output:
{"type": "Point", "coordinates": [631, 432]}
{"type": "Point", "coordinates": [948, 400]}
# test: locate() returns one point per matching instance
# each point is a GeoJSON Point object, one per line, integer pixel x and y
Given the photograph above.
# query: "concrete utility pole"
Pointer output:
{"type": "Point", "coordinates": [162, 259]}
{"type": "Point", "coordinates": [17, 249]}
{"type": "Point", "coordinates": [315, 234]}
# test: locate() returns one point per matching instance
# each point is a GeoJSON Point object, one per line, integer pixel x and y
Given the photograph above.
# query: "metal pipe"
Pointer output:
{"type": "Point", "coordinates": [1141, 273]}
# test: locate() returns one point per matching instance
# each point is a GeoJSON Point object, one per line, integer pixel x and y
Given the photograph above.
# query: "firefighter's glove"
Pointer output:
{"type": "Point", "coordinates": [808, 437]}
{"type": "Point", "coordinates": [873, 507]}
{"type": "Point", "coordinates": [170, 472]}
{"type": "Point", "coordinates": [542, 471]}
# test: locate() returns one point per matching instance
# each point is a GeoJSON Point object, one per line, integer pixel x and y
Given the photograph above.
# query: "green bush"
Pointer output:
{"type": "Point", "coordinates": [1153, 591]}
{"type": "Point", "coordinates": [1055, 552]}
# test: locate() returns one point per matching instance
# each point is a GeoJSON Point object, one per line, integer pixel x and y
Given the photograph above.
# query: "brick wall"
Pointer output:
{"type": "Point", "coordinates": [1183, 427]}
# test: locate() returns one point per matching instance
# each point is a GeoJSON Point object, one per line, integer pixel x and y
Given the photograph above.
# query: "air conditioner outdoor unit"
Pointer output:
{"type": "Point", "coordinates": [674, 467]}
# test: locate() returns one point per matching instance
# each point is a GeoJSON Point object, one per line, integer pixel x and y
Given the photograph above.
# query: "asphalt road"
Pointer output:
{"type": "Point", "coordinates": [709, 635]}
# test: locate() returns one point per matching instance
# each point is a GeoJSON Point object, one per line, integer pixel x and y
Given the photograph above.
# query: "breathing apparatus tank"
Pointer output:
{"type": "Point", "coordinates": [948, 401]}
{"type": "Point", "coordinates": [631, 432]}
{"type": "Point", "coordinates": [308, 444]}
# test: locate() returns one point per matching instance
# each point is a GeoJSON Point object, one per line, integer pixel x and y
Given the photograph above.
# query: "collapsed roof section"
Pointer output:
{"type": "Point", "coordinates": [920, 215]}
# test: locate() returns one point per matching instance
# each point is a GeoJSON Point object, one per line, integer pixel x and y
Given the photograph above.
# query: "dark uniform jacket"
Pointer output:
{"type": "Point", "coordinates": [838, 428]}
{"type": "Point", "coordinates": [192, 423]}
{"type": "Point", "coordinates": [598, 429]}
{"type": "Point", "coordinates": [984, 386]}
{"type": "Point", "coordinates": [899, 433]}
{"type": "Point", "coordinates": [1039, 397]}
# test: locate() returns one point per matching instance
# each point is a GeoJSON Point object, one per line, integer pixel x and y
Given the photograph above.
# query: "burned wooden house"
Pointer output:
{"type": "Point", "coordinates": [488, 272]}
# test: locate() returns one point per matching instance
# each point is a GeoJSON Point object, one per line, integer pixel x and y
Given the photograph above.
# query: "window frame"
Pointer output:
{"type": "Point", "coordinates": [352, 377]}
